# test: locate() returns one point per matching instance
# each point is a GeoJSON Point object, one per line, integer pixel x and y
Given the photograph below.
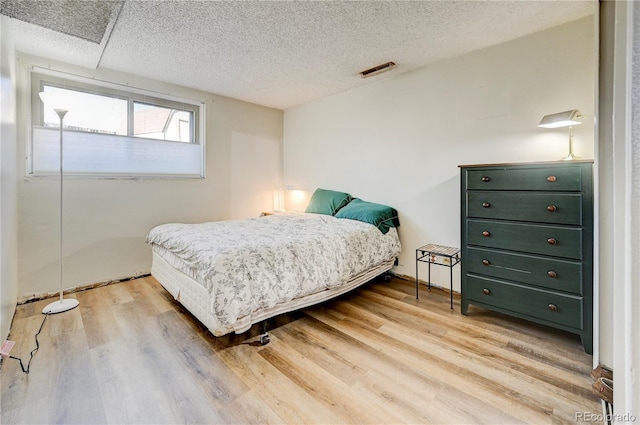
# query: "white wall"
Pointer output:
{"type": "Point", "coordinates": [619, 178]}
{"type": "Point", "coordinates": [399, 141]}
{"type": "Point", "coordinates": [631, 292]}
{"type": "Point", "coordinates": [106, 220]}
{"type": "Point", "coordinates": [8, 180]}
{"type": "Point", "coordinates": [604, 272]}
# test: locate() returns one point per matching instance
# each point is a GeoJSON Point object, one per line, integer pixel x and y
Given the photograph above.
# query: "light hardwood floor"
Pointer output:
{"type": "Point", "coordinates": [130, 354]}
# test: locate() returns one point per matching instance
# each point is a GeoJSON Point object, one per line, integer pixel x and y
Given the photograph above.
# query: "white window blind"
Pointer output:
{"type": "Point", "coordinates": [100, 154]}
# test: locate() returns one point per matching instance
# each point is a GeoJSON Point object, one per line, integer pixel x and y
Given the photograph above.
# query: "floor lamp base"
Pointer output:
{"type": "Point", "coordinates": [60, 306]}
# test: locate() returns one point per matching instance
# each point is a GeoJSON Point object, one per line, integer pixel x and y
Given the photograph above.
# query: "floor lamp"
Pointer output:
{"type": "Point", "coordinates": [62, 304]}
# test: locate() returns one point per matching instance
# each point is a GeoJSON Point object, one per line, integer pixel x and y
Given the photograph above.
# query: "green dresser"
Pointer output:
{"type": "Point", "coordinates": [527, 242]}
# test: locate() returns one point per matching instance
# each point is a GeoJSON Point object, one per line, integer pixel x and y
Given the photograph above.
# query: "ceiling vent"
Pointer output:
{"type": "Point", "coordinates": [377, 69]}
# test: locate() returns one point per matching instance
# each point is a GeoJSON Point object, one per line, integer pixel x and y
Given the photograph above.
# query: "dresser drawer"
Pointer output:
{"type": "Point", "coordinates": [545, 207]}
{"type": "Point", "coordinates": [557, 308]}
{"type": "Point", "coordinates": [565, 178]}
{"type": "Point", "coordinates": [561, 275]}
{"type": "Point", "coordinates": [554, 241]}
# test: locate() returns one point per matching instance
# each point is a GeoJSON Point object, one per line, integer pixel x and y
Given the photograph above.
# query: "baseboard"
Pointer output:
{"type": "Point", "coordinates": [38, 297]}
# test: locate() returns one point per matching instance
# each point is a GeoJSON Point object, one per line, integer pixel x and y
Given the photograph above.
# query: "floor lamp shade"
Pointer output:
{"type": "Point", "coordinates": [62, 304]}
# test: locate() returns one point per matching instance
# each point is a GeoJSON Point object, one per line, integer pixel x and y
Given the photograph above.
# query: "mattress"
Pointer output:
{"type": "Point", "coordinates": [195, 298]}
{"type": "Point", "coordinates": [233, 273]}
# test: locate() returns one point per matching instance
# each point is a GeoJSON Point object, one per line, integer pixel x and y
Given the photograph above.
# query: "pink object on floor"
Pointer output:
{"type": "Point", "coordinates": [6, 348]}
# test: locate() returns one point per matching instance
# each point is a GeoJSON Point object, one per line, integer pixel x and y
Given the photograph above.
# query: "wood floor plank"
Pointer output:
{"type": "Point", "coordinates": [33, 412]}
{"type": "Point", "coordinates": [146, 297]}
{"type": "Point", "coordinates": [130, 385]}
{"type": "Point", "coordinates": [470, 409]}
{"type": "Point", "coordinates": [97, 318]}
{"type": "Point", "coordinates": [559, 348]}
{"type": "Point", "coordinates": [416, 335]}
{"type": "Point", "coordinates": [72, 378]}
{"type": "Point", "coordinates": [20, 390]}
{"type": "Point", "coordinates": [538, 334]}
{"type": "Point", "coordinates": [31, 308]}
{"type": "Point", "coordinates": [411, 403]}
{"type": "Point", "coordinates": [131, 354]}
{"type": "Point", "coordinates": [200, 363]}
{"type": "Point", "coordinates": [116, 294]}
{"type": "Point", "coordinates": [69, 321]}
{"type": "Point", "coordinates": [325, 388]}
{"type": "Point", "coordinates": [367, 357]}
{"type": "Point", "coordinates": [442, 370]}
{"type": "Point", "coordinates": [248, 409]}
{"type": "Point", "coordinates": [484, 370]}
{"type": "Point", "coordinates": [275, 389]}
{"type": "Point", "coordinates": [155, 380]}
{"type": "Point", "coordinates": [199, 383]}
{"type": "Point", "coordinates": [323, 351]}
{"type": "Point", "coordinates": [580, 385]}
{"type": "Point", "coordinates": [557, 377]}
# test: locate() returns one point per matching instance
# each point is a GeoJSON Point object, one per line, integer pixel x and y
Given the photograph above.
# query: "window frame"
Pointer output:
{"type": "Point", "coordinates": [39, 77]}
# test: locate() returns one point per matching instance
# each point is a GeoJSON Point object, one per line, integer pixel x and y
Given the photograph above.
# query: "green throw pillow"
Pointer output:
{"type": "Point", "coordinates": [327, 202]}
{"type": "Point", "coordinates": [381, 216]}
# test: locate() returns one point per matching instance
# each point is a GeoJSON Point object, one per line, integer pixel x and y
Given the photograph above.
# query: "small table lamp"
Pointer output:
{"type": "Point", "coordinates": [564, 119]}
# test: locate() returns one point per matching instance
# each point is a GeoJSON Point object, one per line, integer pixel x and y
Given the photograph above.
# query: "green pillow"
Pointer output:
{"type": "Point", "coordinates": [327, 202]}
{"type": "Point", "coordinates": [381, 216]}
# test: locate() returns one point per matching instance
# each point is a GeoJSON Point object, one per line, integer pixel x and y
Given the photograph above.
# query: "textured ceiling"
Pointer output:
{"type": "Point", "coordinates": [285, 53]}
{"type": "Point", "coordinates": [87, 20]}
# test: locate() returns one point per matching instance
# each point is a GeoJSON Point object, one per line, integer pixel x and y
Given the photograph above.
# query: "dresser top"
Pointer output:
{"type": "Point", "coordinates": [509, 164]}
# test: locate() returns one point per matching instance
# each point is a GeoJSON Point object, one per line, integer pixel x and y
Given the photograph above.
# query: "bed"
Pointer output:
{"type": "Point", "coordinates": [234, 273]}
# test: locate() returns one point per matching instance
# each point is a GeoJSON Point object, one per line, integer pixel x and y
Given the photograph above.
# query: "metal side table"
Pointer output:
{"type": "Point", "coordinates": [442, 256]}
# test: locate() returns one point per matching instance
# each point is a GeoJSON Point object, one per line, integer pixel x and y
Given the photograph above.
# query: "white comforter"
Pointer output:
{"type": "Point", "coordinates": [252, 264]}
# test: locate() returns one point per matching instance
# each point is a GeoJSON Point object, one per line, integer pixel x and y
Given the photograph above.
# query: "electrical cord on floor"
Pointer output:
{"type": "Point", "coordinates": [35, 350]}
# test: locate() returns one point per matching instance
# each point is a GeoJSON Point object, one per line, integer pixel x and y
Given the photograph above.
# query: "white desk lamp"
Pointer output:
{"type": "Point", "coordinates": [564, 119]}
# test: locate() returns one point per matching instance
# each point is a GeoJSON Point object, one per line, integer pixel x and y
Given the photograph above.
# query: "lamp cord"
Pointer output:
{"type": "Point", "coordinates": [35, 350]}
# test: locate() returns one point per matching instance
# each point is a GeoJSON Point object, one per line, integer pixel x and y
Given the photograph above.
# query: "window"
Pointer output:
{"type": "Point", "coordinates": [95, 113]}
{"type": "Point", "coordinates": [157, 122]}
{"type": "Point", "coordinates": [113, 130]}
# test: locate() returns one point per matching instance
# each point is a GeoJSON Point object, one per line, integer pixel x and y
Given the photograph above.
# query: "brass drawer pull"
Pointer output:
{"type": "Point", "coordinates": [486, 205]}
{"type": "Point", "coordinates": [552, 241]}
{"type": "Point", "coordinates": [552, 274]}
{"type": "Point", "coordinates": [551, 179]}
{"type": "Point", "coordinates": [552, 208]}
{"type": "Point", "coordinates": [486, 262]}
{"type": "Point", "coordinates": [552, 307]}
{"type": "Point", "coordinates": [486, 179]}
{"type": "Point", "coordinates": [486, 291]}
{"type": "Point", "coordinates": [486, 233]}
